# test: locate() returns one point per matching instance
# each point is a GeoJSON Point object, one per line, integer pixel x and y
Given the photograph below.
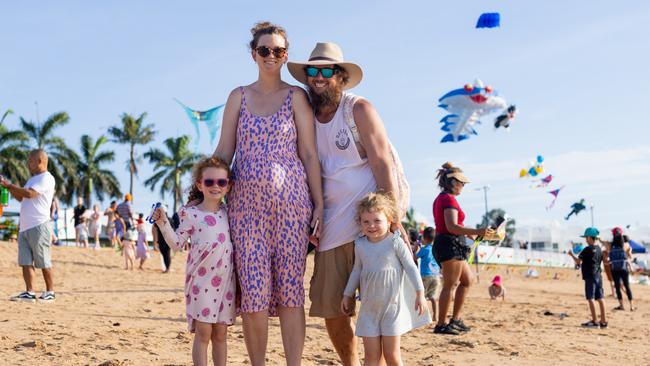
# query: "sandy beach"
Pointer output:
{"type": "Point", "coordinates": [104, 315]}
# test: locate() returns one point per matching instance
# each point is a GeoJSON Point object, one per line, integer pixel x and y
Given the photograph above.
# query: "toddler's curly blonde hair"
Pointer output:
{"type": "Point", "coordinates": [378, 201]}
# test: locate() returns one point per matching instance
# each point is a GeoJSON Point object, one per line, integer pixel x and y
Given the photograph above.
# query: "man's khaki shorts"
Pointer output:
{"type": "Point", "coordinates": [332, 269]}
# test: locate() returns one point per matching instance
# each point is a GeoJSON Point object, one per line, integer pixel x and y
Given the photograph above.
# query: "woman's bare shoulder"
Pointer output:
{"type": "Point", "coordinates": [236, 93]}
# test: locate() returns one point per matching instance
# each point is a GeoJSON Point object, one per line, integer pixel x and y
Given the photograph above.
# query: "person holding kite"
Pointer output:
{"type": "Point", "coordinates": [276, 195]}
{"type": "Point", "coordinates": [450, 249]}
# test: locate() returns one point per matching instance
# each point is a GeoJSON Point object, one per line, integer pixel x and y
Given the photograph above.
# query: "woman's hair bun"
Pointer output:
{"type": "Point", "coordinates": [447, 165]}
{"type": "Point", "coordinates": [259, 26]}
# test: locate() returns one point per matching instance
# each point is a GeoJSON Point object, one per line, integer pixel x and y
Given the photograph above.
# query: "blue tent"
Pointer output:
{"type": "Point", "coordinates": [636, 247]}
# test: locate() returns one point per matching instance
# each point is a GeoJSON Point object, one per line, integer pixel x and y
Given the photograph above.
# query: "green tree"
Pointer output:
{"type": "Point", "coordinates": [170, 166]}
{"type": "Point", "coordinates": [7, 112]}
{"type": "Point", "coordinates": [13, 155]}
{"type": "Point", "coordinates": [91, 175]}
{"type": "Point", "coordinates": [491, 220]}
{"type": "Point", "coordinates": [61, 158]}
{"type": "Point", "coordinates": [132, 132]}
{"type": "Point", "coordinates": [409, 221]}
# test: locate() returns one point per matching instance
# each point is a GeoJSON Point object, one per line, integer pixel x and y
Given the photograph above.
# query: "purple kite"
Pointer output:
{"type": "Point", "coordinates": [554, 193]}
{"type": "Point", "coordinates": [545, 181]}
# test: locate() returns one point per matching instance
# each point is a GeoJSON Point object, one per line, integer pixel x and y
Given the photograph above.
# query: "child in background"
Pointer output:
{"type": "Point", "coordinates": [416, 242]}
{"type": "Point", "coordinates": [119, 229]}
{"type": "Point", "coordinates": [128, 245]}
{"type": "Point", "coordinates": [94, 226]}
{"type": "Point", "coordinates": [142, 247]}
{"type": "Point", "coordinates": [590, 259]}
{"type": "Point", "coordinates": [429, 269]}
{"type": "Point", "coordinates": [381, 260]}
{"type": "Point", "coordinates": [497, 289]}
{"type": "Point", "coordinates": [210, 277]}
{"type": "Point", "coordinates": [83, 232]}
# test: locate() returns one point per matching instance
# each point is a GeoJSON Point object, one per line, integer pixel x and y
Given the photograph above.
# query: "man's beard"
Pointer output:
{"type": "Point", "coordinates": [330, 97]}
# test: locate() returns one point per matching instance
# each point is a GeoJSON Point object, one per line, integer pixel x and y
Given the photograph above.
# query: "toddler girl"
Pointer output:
{"type": "Point", "coordinates": [82, 229]}
{"type": "Point", "coordinates": [381, 260]}
{"type": "Point", "coordinates": [142, 246]}
{"type": "Point", "coordinates": [118, 224]}
{"type": "Point", "coordinates": [95, 225]}
{"type": "Point", "coordinates": [128, 238]}
{"type": "Point", "coordinates": [210, 277]}
{"type": "Point", "coordinates": [497, 289]}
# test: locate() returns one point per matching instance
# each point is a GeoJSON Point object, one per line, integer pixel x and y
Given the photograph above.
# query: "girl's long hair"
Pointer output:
{"type": "Point", "coordinates": [197, 173]}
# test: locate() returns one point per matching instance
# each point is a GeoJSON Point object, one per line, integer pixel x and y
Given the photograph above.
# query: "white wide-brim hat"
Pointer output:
{"type": "Point", "coordinates": [326, 53]}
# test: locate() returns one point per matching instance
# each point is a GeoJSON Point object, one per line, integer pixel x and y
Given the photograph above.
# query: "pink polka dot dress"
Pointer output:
{"type": "Point", "coordinates": [209, 275]}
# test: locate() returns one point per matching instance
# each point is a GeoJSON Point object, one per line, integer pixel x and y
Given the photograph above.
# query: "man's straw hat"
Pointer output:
{"type": "Point", "coordinates": [326, 53]}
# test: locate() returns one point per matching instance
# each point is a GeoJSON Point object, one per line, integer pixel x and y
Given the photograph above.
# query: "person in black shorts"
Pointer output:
{"type": "Point", "coordinates": [618, 253]}
{"type": "Point", "coordinates": [450, 249]}
{"type": "Point", "coordinates": [79, 210]}
{"type": "Point", "coordinates": [590, 259]}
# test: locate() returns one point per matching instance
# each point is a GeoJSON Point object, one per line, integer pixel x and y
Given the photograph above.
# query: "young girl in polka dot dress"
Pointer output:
{"type": "Point", "coordinates": [210, 278]}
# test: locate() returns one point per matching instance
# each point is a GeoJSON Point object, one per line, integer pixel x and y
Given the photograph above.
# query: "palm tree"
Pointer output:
{"type": "Point", "coordinates": [62, 159]}
{"type": "Point", "coordinates": [7, 112]}
{"type": "Point", "coordinates": [491, 219]}
{"type": "Point", "coordinates": [90, 175]}
{"type": "Point", "coordinates": [170, 168]}
{"type": "Point", "coordinates": [13, 155]}
{"type": "Point", "coordinates": [132, 132]}
{"type": "Point", "coordinates": [409, 221]}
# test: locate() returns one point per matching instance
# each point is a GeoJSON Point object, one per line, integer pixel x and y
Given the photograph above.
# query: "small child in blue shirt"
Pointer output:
{"type": "Point", "coordinates": [429, 268]}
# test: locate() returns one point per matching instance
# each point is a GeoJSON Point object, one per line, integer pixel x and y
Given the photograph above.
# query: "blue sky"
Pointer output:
{"type": "Point", "coordinates": [576, 70]}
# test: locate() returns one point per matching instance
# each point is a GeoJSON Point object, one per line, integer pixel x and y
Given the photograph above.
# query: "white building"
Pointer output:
{"type": "Point", "coordinates": [559, 237]}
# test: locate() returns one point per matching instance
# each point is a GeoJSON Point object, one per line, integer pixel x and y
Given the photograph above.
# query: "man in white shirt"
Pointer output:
{"type": "Point", "coordinates": [35, 227]}
{"type": "Point", "coordinates": [350, 169]}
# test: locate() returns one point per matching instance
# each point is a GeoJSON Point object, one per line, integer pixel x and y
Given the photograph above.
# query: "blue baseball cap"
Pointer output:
{"type": "Point", "coordinates": [590, 231]}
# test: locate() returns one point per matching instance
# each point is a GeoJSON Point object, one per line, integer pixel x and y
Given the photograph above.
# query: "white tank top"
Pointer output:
{"type": "Point", "coordinates": [346, 179]}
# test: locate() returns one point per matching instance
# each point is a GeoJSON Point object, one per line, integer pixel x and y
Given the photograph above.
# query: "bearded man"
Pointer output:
{"type": "Point", "coordinates": [355, 157]}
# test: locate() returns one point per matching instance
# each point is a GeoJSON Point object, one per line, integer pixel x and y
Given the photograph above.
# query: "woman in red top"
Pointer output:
{"type": "Point", "coordinates": [450, 249]}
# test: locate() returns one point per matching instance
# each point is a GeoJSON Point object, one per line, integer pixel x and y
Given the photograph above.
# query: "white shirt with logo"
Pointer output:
{"type": "Point", "coordinates": [347, 178]}
{"type": "Point", "coordinates": [36, 211]}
